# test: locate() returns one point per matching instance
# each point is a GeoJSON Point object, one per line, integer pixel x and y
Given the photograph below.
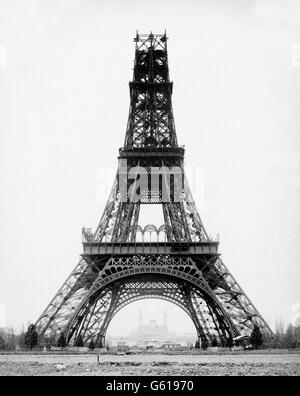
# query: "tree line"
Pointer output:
{"type": "Point", "coordinates": [285, 337]}
{"type": "Point", "coordinates": [11, 341]}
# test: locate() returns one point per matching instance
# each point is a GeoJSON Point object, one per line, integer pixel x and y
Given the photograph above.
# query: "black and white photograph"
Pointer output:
{"type": "Point", "coordinates": [149, 190]}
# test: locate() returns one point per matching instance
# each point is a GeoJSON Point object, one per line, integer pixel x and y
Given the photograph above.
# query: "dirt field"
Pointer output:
{"type": "Point", "coordinates": [141, 365]}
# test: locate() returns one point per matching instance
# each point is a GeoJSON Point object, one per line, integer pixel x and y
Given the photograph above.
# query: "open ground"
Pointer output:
{"type": "Point", "coordinates": [245, 364]}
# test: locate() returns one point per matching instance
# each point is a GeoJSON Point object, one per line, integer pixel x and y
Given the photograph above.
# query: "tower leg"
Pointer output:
{"type": "Point", "coordinates": [100, 341]}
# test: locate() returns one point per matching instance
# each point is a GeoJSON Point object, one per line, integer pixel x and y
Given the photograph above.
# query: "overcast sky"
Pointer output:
{"type": "Point", "coordinates": [64, 99]}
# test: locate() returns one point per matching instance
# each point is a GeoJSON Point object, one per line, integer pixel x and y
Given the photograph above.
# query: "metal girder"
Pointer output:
{"type": "Point", "coordinates": [67, 298]}
{"type": "Point", "coordinates": [120, 219]}
{"type": "Point", "coordinates": [151, 121]}
{"type": "Point", "coordinates": [235, 301]}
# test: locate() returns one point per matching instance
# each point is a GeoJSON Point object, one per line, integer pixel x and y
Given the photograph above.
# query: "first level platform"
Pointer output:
{"type": "Point", "coordinates": [150, 248]}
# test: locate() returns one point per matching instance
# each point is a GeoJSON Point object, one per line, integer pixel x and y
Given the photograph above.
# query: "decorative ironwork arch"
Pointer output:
{"type": "Point", "coordinates": [110, 284]}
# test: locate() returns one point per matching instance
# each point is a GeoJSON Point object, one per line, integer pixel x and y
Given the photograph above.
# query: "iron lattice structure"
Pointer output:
{"type": "Point", "coordinates": [181, 264]}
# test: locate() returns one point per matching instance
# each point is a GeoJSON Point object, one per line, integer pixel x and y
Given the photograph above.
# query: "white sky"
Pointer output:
{"type": "Point", "coordinates": [64, 98]}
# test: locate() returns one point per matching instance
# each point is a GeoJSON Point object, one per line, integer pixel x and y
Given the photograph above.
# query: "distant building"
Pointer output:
{"type": "Point", "coordinates": [154, 335]}
{"type": "Point", "coordinates": [151, 334]}
{"type": "Point", "coordinates": [171, 346]}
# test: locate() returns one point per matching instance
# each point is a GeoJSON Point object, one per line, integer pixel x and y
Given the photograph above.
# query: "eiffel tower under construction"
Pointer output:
{"type": "Point", "coordinates": [122, 261]}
